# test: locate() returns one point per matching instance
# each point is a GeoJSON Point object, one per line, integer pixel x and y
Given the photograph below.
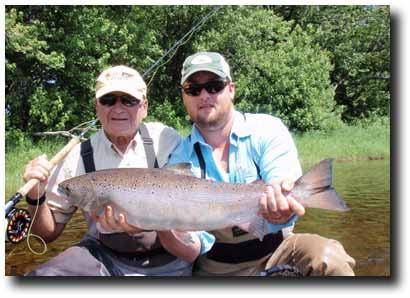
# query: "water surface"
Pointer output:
{"type": "Point", "coordinates": [365, 230]}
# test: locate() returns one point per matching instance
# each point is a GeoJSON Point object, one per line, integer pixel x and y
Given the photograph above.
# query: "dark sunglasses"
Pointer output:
{"type": "Point", "coordinates": [126, 100]}
{"type": "Point", "coordinates": [211, 87]}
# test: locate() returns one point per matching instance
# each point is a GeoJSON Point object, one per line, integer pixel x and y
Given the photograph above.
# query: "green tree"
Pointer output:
{"type": "Point", "coordinates": [358, 41]}
{"type": "Point", "coordinates": [281, 66]}
{"type": "Point", "coordinates": [54, 53]}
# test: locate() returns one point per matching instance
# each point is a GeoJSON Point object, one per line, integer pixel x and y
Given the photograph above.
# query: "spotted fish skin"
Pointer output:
{"type": "Point", "coordinates": [171, 198]}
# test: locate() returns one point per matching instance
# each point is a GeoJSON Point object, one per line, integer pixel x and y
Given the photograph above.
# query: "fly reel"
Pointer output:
{"type": "Point", "coordinates": [18, 224]}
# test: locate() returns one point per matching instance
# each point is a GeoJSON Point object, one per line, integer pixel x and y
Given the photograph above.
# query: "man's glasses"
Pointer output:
{"type": "Point", "coordinates": [126, 100]}
{"type": "Point", "coordinates": [211, 87]}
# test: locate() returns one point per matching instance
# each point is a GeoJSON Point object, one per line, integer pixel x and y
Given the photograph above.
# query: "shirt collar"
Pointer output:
{"type": "Point", "coordinates": [240, 127]}
{"type": "Point", "coordinates": [194, 138]}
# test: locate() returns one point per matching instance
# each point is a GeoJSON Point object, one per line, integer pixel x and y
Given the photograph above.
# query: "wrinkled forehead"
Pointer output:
{"type": "Point", "coordinates": [202, 76]}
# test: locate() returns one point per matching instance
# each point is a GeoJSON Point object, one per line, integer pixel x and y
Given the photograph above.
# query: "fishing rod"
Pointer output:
{"type": "Point", "coordinates": [18, 219]}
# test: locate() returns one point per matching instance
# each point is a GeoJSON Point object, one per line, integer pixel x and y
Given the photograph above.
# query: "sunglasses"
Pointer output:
{"type": "Point", "coordinates": [211, 87]}
{"type": "Point", "coordinates": [127, 100]}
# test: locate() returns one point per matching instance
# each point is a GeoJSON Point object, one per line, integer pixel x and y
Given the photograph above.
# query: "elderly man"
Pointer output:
{"type": "Point", "coordinates": [112, 247]}
{"type": "Point", "coordinates": [226, 145]}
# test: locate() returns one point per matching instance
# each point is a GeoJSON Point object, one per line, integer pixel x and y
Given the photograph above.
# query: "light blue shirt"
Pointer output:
{"type": "Point", "coordinates": [256, 141]}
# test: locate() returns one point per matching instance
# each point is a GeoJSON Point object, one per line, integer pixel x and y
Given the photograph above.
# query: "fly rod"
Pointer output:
{"type": "Point", "coordinates": [18, 220]}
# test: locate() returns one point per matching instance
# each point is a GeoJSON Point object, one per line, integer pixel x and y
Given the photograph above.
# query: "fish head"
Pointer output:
{"type": "Point", "coordinates": [77, 187]}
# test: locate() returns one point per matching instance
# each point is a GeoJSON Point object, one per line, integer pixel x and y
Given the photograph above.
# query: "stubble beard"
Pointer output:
{"type": "Point", "coordinates": [212, 122]}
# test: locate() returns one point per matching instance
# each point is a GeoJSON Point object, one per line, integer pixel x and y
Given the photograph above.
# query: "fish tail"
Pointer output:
{"type": "Point", "coordinates": [315, 190]}
{"type": "Point", "coordinates": [327, 199]}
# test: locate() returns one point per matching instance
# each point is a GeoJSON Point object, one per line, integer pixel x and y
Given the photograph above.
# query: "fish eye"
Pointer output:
{"type": "Point", "coordinates": [66, 190]}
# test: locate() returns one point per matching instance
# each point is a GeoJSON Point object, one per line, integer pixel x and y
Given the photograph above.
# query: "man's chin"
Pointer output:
{"type": "Point", "coordinates": [207, 122]}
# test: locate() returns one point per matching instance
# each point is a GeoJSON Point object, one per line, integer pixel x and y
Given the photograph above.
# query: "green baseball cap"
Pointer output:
{"type": "Point", "coordinates": [205, 61]}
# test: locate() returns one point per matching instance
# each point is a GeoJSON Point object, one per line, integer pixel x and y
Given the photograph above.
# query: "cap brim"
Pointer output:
{"type": "Point", "coordinates": [119, 88]}
{"type": "Point", "coordinates": [217, 72]}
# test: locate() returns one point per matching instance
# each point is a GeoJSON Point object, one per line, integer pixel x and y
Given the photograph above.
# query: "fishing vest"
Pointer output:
{"type": "Point", "coordinates": [142, 244]}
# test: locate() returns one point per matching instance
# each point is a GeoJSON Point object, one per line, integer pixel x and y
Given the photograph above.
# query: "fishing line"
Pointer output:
{"type": "Point", "coordinates": [176, 50]}
{"type": "Point", "coordinates": [29, 234]}
{"type": "Point", "coordinates": [178, 43]}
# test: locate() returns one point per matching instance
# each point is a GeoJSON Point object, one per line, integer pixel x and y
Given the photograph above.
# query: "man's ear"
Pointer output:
{"type": "Point", "coordinates": [145, 107]}
{"type": "Point", "coordinates": [232, 90]}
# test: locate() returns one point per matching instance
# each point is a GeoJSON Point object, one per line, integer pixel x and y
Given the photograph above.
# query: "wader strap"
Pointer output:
{"type": "Point", "coordinates": [97, 250]}
{"type": "Point", "coordinates": [201, 160]}
{"type": "Point", "coordinates": [87, 156]}
{"type": "Point", "coordinates": [250, 250]}
{"type": "Point", "coordinates": [148, 147]}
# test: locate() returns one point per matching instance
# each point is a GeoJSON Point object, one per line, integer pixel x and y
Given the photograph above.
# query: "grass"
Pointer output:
{"type": "Point", "coordinates": [348, 143]}
{"type": "Point", "coordinates": [18, 156]}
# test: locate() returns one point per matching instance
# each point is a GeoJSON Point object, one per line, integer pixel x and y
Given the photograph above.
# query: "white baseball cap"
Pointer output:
{"type": "Point", "coordinates": [121, 78]}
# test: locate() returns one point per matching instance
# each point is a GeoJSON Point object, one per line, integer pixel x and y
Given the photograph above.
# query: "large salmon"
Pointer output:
{"type": "Point", "coordinates": [171, 198]}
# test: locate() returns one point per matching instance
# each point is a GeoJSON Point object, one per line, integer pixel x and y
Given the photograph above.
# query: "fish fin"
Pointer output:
{"type": "Point", "coordinates": [104, 231]}
{"type": "Point", "coordinates": [183, 168]}
{"type": "Point", "coordinates": [244, 226]}
{"type": "Point", "coordinates": [256, 227]}
{"type": "Point", "coordinates": [316, 188]}
{"type": "Point", "coordinates": [320, 176]}
{"type": "Point", "coordinates": [258, 182]}
{"type": "Point", "coordinates": [327, 199]}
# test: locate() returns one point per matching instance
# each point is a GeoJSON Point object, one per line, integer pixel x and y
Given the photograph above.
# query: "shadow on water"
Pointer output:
{"type": "Point", "coordinates": [364, 231]}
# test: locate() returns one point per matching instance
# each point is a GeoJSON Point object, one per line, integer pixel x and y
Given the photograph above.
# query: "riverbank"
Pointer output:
{"type": "Point", "coordinates": [345, 144]}
{"type": "Point", "coordinates": [371, 142]}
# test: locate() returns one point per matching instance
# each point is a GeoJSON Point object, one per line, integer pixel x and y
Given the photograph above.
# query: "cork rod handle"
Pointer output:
{"type": "Point", "coordinates": [55, 160]}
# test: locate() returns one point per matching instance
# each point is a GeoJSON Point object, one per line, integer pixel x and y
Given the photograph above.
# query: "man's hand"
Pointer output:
{"type": "Point", "coordinates": [109, 223]}
{"type": "Point", "coordinates": [275, 207]}
{"type": "Point", "coordinates": [185, 245]}
{"type": "Point", "coordinates": [38, 168]}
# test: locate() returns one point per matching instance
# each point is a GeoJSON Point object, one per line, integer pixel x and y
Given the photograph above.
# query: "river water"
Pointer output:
{"type": "Point", "coordinates": [364, 231]}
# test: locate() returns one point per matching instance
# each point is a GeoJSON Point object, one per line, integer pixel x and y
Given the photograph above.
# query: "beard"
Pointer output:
{"type": "Point", "coordinates": [214, 120]}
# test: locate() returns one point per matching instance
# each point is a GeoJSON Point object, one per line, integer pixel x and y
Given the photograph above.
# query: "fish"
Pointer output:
{"type": "Point", "coordinates": [172, 198]}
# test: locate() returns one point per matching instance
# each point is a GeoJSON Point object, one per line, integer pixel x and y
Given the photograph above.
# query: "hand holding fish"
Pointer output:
{"type": "Point", "coordinates": [277, 208]}
{"type": "Point", "coordinates": [185, 245]}
{"type": "Point", "coordinates": [110, 224]}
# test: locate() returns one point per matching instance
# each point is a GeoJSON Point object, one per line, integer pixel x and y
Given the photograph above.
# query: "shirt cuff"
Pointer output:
{"type": "Point", "coordinates": [207, 240]}
{"type": "Point", "coordinates": [274, 228]}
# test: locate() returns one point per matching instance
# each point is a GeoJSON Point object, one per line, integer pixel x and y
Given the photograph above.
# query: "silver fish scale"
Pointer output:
{"type": "Point", "coordinates": [162, 209]}
{"type": "Point", "coordinates": [159, 199]}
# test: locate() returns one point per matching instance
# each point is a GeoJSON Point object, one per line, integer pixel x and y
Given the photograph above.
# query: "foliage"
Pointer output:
{"type": "Point", "coordinates": [307, 69]}
{"type": "Point", "coordinates": [54, 53]}
{"type": "Point", "coordinates": [358, 41]}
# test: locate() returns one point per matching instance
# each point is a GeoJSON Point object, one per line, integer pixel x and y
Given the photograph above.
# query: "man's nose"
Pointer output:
{"type": "Point", "coordinates": [118, 103]}
{"type": "Point", "coordinates": [204, 95]}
